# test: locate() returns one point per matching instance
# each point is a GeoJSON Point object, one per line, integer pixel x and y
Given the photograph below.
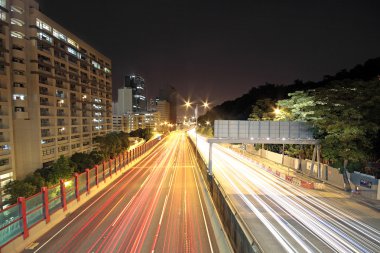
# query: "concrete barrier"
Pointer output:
{"type": "Point", "coordinates": [241, 238]}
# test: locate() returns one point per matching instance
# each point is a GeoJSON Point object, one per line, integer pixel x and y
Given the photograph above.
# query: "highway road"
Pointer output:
{"type": "Point", "coordinates": [287, 218]}
{"type": "Point", "coordinates": [155, 207]}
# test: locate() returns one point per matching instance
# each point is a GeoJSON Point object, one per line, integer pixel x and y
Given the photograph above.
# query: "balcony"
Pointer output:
{"type": "Point", "coordinates": [18, 54]}
{"type": "Point", "coordinates": [18, 3]}
{"type": "Point", "coordinates": [46, 134]}
{"type": "Point", "coordinates": [18, 28]}
{"type": "Point", "coordinates": [45, 82]}
{"type": "Point", "coordinates": [5, 152]}
{"type": "Point", "coordinates": [20, 90]}
{"type": "Point", "coordinates": [19, 79]}
{"type": "Point", "coordinates": [62, 114]}
{"type": "Point", "coordinates": [4, 127]}
{"type": "Point", "coordinates": [61, 85]}
{"type": "Point", "coordinates": [45, 103]}
{"type": "Point", "coordinates": [3, 99]}
{"type": "Point", "coordinates": [62, 140]}
{"type": "Point", "coordinates": [22, 115]}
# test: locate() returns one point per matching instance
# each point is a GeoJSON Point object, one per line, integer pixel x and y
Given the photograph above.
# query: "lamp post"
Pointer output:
{"type": "Point", "coordinates": [205, 106]}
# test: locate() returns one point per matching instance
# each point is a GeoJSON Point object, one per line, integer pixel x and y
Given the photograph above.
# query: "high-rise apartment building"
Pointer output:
{"type": "Point", "coordinates": [163, 108]}
{"type": "Point", "coordinates": [170, 94]}
{"type": "Point", "coordinates": [124, 101]}
{"type": "Point", "coordinates": [133, 121]}
{"type": "Point", "coordinates": [137, 84]}
{"type": "Point", "coordinates": [55, 91]}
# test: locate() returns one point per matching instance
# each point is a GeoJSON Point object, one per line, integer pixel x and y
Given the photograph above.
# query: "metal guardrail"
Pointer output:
{"type": "Point", "coordinates": [241, 238]}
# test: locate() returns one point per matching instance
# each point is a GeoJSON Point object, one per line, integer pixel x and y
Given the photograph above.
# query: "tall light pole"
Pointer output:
{"type": "Point", "coordinates": [205, 105]}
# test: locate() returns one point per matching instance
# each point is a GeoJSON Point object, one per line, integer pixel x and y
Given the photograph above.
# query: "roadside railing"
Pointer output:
{"type": "Point", "coordinates": [241, 238]}
{"type": "Point", "coordinates": [19, 218]}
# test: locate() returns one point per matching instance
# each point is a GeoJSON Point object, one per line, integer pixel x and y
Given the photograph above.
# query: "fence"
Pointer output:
{"type": "Point", "coordinates": [239, 235]}
{"type": "Point", "coordinates": [18, 219]}
{"type": "Point", "coordinates": [326, 174]}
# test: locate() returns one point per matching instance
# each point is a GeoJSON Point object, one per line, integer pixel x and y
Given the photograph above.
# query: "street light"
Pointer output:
{"type": "Point", "coordinates": [277, 111]}
{"type": "Point", "coordinates": [205, 105]}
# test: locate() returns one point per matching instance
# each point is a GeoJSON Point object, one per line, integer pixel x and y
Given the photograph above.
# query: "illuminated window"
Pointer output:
{"type": "Point", "coordinates": [72, 51]}
{"type": "Point", "coordinates": [73, 43]}
{"type": "Point", "coordinates": [44, 36]}
{"type": "Point", "coordinates": [17, 9]}
{"type": "Point", "coordinates": [107, 70]}
{"type": "Point", "coordinates": [18, 97]}
{"type": "Point", "coordinates": [95, 64]}
{"type": "Point", "coordinates": [3, 15]}
{"type": "Point", "coordinates": [18, 22]}
{"type": "Point", "coordinates": [6, 175]}
{"type": "Point", "coordinates": [3, 3]}
{"type": "Point", "coordinates": [42, 25]}
{"type": "Point", "coordinates": [59, 35]}
{"type": "Point", "coordinates": [17, 34]}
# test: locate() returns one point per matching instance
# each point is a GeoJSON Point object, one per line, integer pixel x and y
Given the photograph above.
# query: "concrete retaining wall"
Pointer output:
{"type": "Point", "coordinates": [327, 173]}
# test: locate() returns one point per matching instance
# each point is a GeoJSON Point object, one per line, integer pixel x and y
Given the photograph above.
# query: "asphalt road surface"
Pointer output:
{"type": "Point", "coordinates": [154, 207]}
{"type": "Point", "coordinates": [288, 218]}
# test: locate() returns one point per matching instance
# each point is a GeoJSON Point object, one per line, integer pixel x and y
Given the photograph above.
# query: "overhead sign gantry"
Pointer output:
{"type": "Point", "coordinates": [263, 132]}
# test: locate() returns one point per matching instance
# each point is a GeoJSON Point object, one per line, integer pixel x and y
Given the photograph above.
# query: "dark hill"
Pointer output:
{"type": "Point", "coordinates": [240, 108]}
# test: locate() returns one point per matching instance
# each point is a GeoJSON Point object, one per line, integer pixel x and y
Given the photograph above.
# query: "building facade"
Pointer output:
{"type": "Point", "coordinates": [137, 84]}
{"type": "Point", "coordinates": [124, 101]}
{"type": "Point", "coordinates": [163, 108]}
{"type": "Point", "coordinates": [55, 91]}
{"type": "Point", "coordinates": [133, 121]}
{"type": "Point", "coordinates": [170, 94]}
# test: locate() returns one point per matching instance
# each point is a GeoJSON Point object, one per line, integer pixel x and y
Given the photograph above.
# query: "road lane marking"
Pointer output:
{"type": "Point", "coordinates": [203, 213]}
{"type": "Point", "coordinates": [113, 185]}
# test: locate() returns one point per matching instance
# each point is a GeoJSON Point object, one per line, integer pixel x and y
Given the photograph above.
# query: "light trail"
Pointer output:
{"type": "Point", "coordinates": [154, 207]}
{"type": "Point", "coordinates": [299, 220]}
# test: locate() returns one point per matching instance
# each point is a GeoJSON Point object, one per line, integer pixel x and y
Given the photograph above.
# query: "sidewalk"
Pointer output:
{"type": "Point", "coordinates": [372, 203]}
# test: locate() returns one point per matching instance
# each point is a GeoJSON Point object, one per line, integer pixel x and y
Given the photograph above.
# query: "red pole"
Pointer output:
{"type": "Point", "coordinates": [45, 195]}
{"type": "Point", "coordinates": [88, 180]}
{"type": "Point", "coordinates": [96, 175]}
{"type": "Point", "coordinates": [115, 165]}
{"type": "Point", "coordinates": [22, 203]}
{"type": "Point", "coordinates": [77, 186]}
{"type": "Point", "coordinates": [110, 161]}
{"type": "Point", "coordinates": [104, 173]}
{"type": "Point", "coordinates": [63, 194]}
{"type": "Point", "coordinates": [128, 156]}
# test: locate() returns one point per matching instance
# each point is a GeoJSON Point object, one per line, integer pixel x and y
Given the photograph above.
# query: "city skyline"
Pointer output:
{"type": "Point", "coordinates": [216, 44]}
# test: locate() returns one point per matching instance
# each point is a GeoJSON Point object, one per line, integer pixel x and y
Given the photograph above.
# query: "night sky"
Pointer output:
{"type": "Point", "coordinates": [220, 49]}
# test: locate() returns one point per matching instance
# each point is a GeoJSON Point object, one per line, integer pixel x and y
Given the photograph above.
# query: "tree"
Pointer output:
{"type": "Point", "coordinates": [344, 116]}
{"type": "Point", "coordinates": [141, 133]}
{"type": "Point", "coordinates": [19, 188]}
{"type": "Point", "coordinates": [263, 109]}
{"type": "Point", "coordinates": [96, 156]}
{"type": "Point", "coordinates": [63, 168]}
{"type": "Point", "coordinates": [112, 144]}
{"type": "Point", "coordinates": [297, 107]}
{"type": "Point", "coordinates": [83, 161]}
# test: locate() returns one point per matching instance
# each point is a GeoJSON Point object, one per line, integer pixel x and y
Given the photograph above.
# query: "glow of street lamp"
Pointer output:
{"type": "Point", "coordinates": [277, 111]}
{"type": "Point", "coordinates": [187, 104]}
{"type": "Point", "coordinates": [206, 104]}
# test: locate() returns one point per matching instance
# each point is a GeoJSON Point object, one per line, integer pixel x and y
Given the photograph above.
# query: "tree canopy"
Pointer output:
{"type": "Point", "coordinates": [345, 116]}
